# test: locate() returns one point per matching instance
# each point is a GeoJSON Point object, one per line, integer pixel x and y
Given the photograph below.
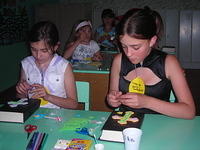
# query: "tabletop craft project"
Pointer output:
{"type": "Point", "coordinates": [127, 117]}
{"type": "Point", "coordinates": [75, 123]}
{"type": "Point", "coordinates": [119, 120]}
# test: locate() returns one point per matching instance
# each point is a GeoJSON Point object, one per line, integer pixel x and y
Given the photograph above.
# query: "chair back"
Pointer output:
{"type": "Point", "coordinates": [83, 92]}
{"type": "Point", "coordinates": [172, 98]}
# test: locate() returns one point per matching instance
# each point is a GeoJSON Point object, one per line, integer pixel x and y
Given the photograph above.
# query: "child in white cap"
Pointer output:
{"type": "Point", "coordinates": [81, 47]}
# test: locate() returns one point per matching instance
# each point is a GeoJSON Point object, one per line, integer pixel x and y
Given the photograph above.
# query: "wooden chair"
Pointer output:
{"type": "Point", "coordinates": [83, 92]}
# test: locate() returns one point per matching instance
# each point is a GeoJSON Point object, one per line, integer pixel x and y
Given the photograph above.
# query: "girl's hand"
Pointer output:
{"type": "Point", "coordinates": [113, 98]}
{"type": "Point", "coordinates": [22, 88]}
{"type": "Point", "coordinates": [38, 91]}
{"type": "Point", "coordinates": [97, 57]}
{"type": "Point", "coordinates": [82, 38]}
{"type": "Point", "coordinates": [133, 100]}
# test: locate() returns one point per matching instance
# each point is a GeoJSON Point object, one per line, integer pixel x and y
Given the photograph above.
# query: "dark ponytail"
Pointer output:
{"type": "Point", "coordinates": [139, 24]}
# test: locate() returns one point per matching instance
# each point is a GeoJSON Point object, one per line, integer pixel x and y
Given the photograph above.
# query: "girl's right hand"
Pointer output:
{"type": "Point", "coordinates": [113, 98]}
{"type": "Point", "coordinates": [23, 87]}
{"type": "Point", "coordinates": [82, 39]}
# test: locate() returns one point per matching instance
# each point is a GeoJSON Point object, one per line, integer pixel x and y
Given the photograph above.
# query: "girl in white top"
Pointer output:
{"type": "Point", "coordinates": [45, 75]}
{"type": "Point", "coordinates": [81, 47]}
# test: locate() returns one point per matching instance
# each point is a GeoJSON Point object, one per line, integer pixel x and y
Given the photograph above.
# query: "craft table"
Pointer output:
{"type": "Point", "coordinates": [159, 132]}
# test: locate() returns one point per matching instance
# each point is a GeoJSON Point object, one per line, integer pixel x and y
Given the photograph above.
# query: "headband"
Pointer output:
{"type": "Point", "coordinates": [84, 23]}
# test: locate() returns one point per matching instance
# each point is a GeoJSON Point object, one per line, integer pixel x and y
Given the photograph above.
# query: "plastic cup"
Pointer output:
{"type": "Point", "coordinates": [132, 138]}
{"type": "Point", "coordinates": [99, 147]}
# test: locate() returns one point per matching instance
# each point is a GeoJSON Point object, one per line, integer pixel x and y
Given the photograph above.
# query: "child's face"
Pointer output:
{"type": "Point", "coordinates": [136, 49]}
{"type": "Point", "coordinates": [107, 21]}
{"type": "Point", "coordinates": [86, 32]}
{"type": "Point", "coordinates": [41, 52]}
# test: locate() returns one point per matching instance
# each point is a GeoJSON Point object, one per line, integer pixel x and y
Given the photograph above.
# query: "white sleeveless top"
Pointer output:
{"type": "Point", "coordinates": [52, 79]}
{"type": "Point", "coordinates": [83, 51]}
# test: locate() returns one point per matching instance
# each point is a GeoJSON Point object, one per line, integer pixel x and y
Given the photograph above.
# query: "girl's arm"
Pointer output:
{"type": "Point", "coordinates": [70, 87]}
{"type": "Point", "coordinates": [185, 107]}
{"type": "Point", "coordinates": [114, 76]}
{"type": "Point", "coordinates": [114, 93]}
{"type": "Point", "coordinates": [70, 49]}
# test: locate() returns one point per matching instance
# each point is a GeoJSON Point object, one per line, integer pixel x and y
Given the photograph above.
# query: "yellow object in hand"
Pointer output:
{"type": "Point", "coordinates": [43, 101]}
{"type": "Point", "coordinates": [137, 86]}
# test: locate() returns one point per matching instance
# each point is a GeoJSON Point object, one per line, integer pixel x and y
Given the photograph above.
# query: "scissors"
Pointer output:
{"type": "Point", "coordinates": [29, 129]}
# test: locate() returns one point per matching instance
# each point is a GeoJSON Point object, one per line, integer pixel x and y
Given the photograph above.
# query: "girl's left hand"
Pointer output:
{"type": "Point", "coordinates": [38, 91]}
{"type": "Point", "coordinates": [97, 57]}
{"type": "Point", "coordinates": [133, 100]}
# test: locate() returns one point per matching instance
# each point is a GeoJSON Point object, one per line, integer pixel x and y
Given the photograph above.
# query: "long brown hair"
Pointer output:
{"type": "Point", "coordinates": [46, 31]}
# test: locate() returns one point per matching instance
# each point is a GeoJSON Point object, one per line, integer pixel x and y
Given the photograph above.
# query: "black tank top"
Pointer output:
{"type": "Point", "coordinates": [156, 62]}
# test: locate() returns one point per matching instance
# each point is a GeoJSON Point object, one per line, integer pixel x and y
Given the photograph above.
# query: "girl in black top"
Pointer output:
{"type": "Point", "coordinates": [141, 76]}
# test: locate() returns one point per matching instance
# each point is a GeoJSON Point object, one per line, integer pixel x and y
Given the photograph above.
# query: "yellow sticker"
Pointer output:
{"type": "Point", "coordinates": [137, 86]}
{"type": "Point", "coordinates": [43, 101]}
{"type": "Point", "coordinates": [88, 58]}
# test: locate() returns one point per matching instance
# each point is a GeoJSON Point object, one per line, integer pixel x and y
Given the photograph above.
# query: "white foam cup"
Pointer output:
{"type": "Point", "coordinates": [99, 147]}
{"type": "Point", "coordinates": [132, 138]}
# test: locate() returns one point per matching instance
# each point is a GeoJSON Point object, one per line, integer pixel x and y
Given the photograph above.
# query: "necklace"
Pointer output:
{"type": "Point", "coordinates": [137, 85]}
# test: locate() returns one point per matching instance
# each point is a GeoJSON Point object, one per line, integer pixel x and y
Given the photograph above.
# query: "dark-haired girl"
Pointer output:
{"type": "Point", "coordinates": [143, 77]}
{"type": "Point", "coordinates": [45, 75]}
